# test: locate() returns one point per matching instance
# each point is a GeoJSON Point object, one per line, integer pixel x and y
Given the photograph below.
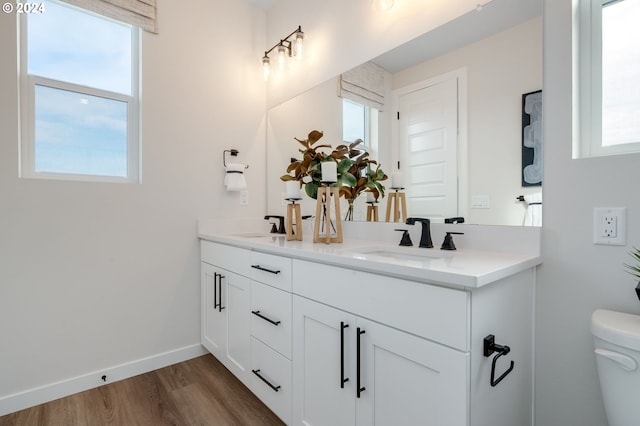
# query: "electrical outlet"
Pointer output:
{"type": "Point", "coordinates": [244, 198]}
{"type": "Point", "coordinates": [609, 226]}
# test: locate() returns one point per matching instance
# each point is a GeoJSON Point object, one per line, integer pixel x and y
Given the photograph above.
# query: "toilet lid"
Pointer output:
{"type": "Point", "coordinates": [616, 327]}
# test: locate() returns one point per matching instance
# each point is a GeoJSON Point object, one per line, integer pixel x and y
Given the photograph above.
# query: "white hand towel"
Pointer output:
{"type": "Point", "coordinates": [234, 178]}
{"type": "Point", "coordinates": [533, 215]}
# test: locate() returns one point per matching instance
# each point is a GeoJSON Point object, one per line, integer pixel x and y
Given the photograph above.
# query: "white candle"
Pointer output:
{"type": "Point", "coordinates": [293, 189]}
{"type": "Point", "coordinates": [396, 180]}
{"type": "Point", "coordinates": [370, 197]}
{"type": "Point", "coordinates": [329, 171]}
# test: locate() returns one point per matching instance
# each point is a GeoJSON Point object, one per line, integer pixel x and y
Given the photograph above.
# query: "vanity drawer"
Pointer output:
{"type": "Point", "coordinates": [270, 379]}
{"type": "Point", "coordinates": [226, 257]}
{"type": "Point", "coordinates": [271, 317]}
{"type": "Point", "coordinates": [271, 269]}
{"type": "Point", "coordinates": [436, 313]}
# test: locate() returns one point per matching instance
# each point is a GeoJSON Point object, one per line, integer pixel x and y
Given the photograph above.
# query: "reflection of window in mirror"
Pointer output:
{"type": "Point", "coordinates": [358, 122]}
{"type": "Point", "coordinates": [609, 98]}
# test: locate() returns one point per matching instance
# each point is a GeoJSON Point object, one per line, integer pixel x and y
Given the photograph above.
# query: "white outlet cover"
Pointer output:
{"type": "Point", "coordinates": [601, 237]}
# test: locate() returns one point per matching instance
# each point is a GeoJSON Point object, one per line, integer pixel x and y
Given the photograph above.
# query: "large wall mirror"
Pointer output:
{"type": "Point", "coordinates": [488, 60]}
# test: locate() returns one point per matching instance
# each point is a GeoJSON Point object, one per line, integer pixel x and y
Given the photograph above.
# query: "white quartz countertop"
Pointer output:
{"type": "Point", "coordinates": [459, 268]}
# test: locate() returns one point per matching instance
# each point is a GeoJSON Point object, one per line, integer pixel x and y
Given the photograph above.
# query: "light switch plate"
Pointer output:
{"type": "Point", "coordinates": [480, 202]}
{"type": "Point", "coordinates": [609, 226]}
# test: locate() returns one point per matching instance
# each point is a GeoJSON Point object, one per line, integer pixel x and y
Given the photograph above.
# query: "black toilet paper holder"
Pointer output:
{"type": "Point", "coordinates": [490, 347]}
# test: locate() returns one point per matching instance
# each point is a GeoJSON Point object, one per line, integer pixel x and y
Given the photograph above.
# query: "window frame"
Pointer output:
{"type": "Point", "coordinates": [589, 89]}
{"type": "Point", "coordinates": [368, 113]}
{"type": "Point", "coordinates": [28, 85]}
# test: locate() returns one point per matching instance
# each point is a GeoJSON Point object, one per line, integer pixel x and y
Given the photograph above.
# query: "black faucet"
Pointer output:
{"type": "Point", "coordinates": [425, 238]}
{"type": "Point", "coordinates": [280, 229]}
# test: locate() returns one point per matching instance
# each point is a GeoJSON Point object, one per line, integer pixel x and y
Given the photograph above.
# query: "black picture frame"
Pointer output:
{"type": "Point", "coordinates": [532, 139]}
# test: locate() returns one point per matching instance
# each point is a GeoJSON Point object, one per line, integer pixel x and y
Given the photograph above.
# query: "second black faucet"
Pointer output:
{"type": "Point", "coordinates": [425, 238]}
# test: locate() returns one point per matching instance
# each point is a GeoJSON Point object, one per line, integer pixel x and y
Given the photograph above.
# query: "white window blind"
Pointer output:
{"type": "Point", "coordinates": [364, 84]}
{"type": "Point", "coordinates": [139, 13]}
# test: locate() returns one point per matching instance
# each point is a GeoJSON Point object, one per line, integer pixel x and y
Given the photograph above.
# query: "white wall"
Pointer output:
{"type": "Point", "coordinates": [500, 69]}
{"type": "Point", "coordinates": [576, 276]}
{"type": "Point", "coordinates": [94, 275]}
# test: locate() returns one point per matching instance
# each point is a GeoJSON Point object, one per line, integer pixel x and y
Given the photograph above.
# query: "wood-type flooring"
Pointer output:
{"type": "Point", "coordinates": [200, 391]}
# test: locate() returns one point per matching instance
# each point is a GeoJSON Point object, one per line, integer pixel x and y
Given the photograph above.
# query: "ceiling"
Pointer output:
{"type": "Point", "coordinates": [494, 17]}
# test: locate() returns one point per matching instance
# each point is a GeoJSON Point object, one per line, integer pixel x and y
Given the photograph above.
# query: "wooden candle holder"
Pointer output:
{"type": "Point", "coordinates": [372, 212]}
{"type": "Point", "coordinates": [323, 211]}
{"type": "Point", "coordinates": [294, 209]}
{"type": "Point", "coordinates": [398, 202]}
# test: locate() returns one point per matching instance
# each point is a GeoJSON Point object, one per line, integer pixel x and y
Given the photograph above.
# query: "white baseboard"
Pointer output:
{"type": "Point", "coordinates": [29, 398]}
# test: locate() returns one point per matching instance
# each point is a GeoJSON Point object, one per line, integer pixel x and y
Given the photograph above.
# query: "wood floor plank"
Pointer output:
{"type": "Point", "coordinates": [200, 391]}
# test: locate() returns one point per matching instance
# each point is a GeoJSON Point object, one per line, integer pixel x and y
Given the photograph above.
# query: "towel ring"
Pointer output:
{"type": "Point", "coordinates": [233, 153]}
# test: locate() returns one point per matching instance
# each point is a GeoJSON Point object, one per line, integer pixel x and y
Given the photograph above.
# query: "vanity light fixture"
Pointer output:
{"type": "Point", "coordinates": [383, 5]}
{"type": "Point", "coordinates": [290, 46]}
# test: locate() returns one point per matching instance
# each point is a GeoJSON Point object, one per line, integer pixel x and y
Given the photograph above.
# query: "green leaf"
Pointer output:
{"type": "Point", "coordinates": [348, 179]}
{"type": "Point", "coordinates": [344, 165]}
{"type": "Point", "coordinates": [311, 189]}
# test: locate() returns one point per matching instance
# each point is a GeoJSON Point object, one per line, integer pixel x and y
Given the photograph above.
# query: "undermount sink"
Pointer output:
{"type": "Point", "coordinates": [403, 253]}
{"type": "Point", "coordinates": [257, 235]}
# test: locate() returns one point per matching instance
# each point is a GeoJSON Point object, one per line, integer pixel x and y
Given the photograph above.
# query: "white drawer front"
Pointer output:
{"type": "Point", "coordinates": [227, 257]}
{"type": "Point", "coordinates": [272, 270]}
{"type": "Point", "coordinates": [271, 317]}
{"type": "Point", "coordinates": [271, 379]}
{"type": "Point", "coordinates": [435, 313]}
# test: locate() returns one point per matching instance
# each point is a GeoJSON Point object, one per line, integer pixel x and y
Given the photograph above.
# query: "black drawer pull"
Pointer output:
{"type": "Point", "coordinates": [343, 379]}
{"type": "Point", "coordinates": [359, 389]}
{"type": "Point", "coordinates": [265, 269]}
{"type": "Point", "coordinates": [258, 314]}
{"type": "Point", "coordinates": [257, 373]}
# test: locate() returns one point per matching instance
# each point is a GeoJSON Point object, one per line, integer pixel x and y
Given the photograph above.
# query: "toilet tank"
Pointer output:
{"type": "Point", "coordinates": [617, 349]}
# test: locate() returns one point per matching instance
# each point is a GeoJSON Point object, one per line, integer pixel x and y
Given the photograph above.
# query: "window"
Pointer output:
{"type": "Point", "coordinates": [609, 95]}
{"type": "Point", "coordinates": [79, 96]}
{"type": "Point", "coordinates": [358, 122]}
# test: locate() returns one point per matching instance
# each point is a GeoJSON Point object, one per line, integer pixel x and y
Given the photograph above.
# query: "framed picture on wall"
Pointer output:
{"type": "Point", "coordinates": [532, 138]}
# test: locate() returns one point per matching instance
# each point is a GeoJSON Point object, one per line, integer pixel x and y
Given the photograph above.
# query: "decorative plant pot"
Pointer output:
{"type": "Point", "coordinates": [638, 290]}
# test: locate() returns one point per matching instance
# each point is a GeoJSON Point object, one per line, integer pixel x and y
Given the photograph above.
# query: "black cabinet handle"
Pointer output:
{"type": "Point", "coordinates": [215, 290]}
{"type": "Point", "coordinates": [220, 307]}
{"type": "Point", "coordinates": [359, 389]}
{"type": "Point", "coordinates": [265, 269]}
{"type": "Point", "coordinates": [257, 373]}
{"type": "Point", "coordinates": [343, 380]}
{"type": "Point", "coordinates": [258, 314]}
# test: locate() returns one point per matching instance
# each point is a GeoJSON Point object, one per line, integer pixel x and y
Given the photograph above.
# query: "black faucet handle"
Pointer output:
{"type": "Point", "coordinates": [448, 244]}
{"type": "Point", "coordinates": [457, 219]}
{"type": "Point", "coordinates": [274, 228]}
{"type": "Point", "coordinates": [281, 229]}
{"type": "Point", "coordinates": [406, 238]}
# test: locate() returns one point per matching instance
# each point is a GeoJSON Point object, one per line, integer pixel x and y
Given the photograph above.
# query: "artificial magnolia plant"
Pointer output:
{"type": "Point", "coordinates": [351, 162]}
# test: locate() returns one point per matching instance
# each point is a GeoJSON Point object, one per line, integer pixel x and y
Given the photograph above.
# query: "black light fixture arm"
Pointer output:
{"type": "Point", "coordinates": [284, 42]}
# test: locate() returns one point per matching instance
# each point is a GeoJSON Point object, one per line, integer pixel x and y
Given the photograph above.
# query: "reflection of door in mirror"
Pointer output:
{"type": "Point", "coordinates": [427, 141]}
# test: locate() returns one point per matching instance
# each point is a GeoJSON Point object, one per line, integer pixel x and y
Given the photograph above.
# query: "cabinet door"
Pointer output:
{"type": "Point", "coordinates": [236, 300]}
{"type": "Point", "coordinates": [408, 380]}
{"type": "Point", "coordinates": [225, 314]}
{"type": "Point", "coordinates": [213, 320]}
{"type": "Point", "coordinates": [321, 363]}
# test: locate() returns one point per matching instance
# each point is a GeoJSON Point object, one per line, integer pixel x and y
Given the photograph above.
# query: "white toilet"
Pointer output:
{"type": "Point", "coordinates": [616, 338]}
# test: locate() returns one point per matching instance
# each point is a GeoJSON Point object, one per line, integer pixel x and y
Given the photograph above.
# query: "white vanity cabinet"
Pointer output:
{"type": "Point", "coordinates": [420, 357]}
{"type": "Point", "coordinates": [349, 370]}
{"type": "Point", "coordinates": [271, 327]}
{"type": "Point", "coordinates": [225, 301]}
{"type": "Point", "coordinates": [352, 371]}
{"type": "Point", "coordinates": [324, 343]}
